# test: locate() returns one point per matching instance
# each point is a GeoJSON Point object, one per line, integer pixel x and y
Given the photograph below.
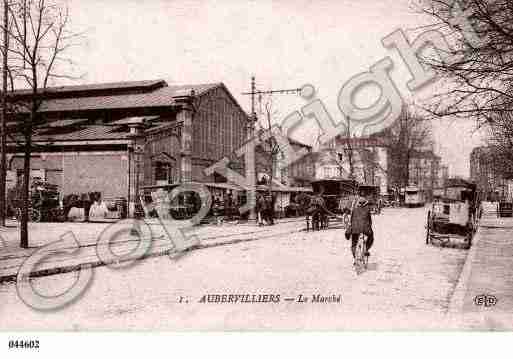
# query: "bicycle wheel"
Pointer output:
{"type": "Point", "coordinates": [34, 215]}
{"type": "Point", "coordinates": [361, 259]}
{"type": "Point", "coordinates": [428, 227]}
{"type": "Point", "coordinates": [347, 219]}
{"type": "Point", "coordinates": [365, 259]}
{"type": "Point", "coordinates": [358, 255]}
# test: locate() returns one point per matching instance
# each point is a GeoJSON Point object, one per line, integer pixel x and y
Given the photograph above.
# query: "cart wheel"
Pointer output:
{"type": "Point", "coordinates": [469, 239]}
{"type": "Point", "coordinates": [473, 223]}
{"type": "Point", "coordinates": [428, 227]}
{"type": "Point", "coordinates": [34, 215]}
{"type": "Point", "coordinates": [472, 231]}
{"type": "Point", "coordinates": [346, 220]}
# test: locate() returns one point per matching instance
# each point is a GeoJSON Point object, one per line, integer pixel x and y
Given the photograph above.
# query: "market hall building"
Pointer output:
{"type": "Point", "coordinates": [116, 138]}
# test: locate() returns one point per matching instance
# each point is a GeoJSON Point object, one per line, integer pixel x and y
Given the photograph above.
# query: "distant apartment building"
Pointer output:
{"type": "Point", "coordinates": [488, 179]}
{"type": "Point", "coordinates": [442, 176]}
{"type": "Point", "coordinates": [426, 172]}
{"type": "Point", "coordinates": [301, 172]}
{"type": "Point", "coordinates": [297, 174]}
{"type": "Point", "coordinates": [363, 159]}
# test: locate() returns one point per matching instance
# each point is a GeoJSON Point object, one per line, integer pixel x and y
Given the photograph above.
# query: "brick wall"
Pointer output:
{"type": "Point", "coordinates": [80, 172]}
{"type": "Point", "coordinates": [107, 174]}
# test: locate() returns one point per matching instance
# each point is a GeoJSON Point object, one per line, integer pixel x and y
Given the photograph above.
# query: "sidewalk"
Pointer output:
{"type": "Point", "coordinates": [87, 234]}
{"type": "Point", "coordinates": [488, 271]}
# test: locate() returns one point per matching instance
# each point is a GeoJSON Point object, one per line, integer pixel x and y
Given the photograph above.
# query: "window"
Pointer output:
{"type": "Point", "coordinates": [163, 172]}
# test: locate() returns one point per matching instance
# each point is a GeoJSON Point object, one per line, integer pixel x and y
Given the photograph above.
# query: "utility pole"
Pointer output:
{"type": "Point", "coordinates": [350, 153]}
{"type": "Point", "coordinates": [254, 119]}
{"type": "Point", "coordinates": [260, 93]}
{"type": "Point", "coordinates": [3, 119]}
{"type": "Point", "coordinates": [254, 92]}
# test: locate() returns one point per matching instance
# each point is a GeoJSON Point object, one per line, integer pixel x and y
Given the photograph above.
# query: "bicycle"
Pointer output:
{"type": "Point", "coordinates": [361, 259]}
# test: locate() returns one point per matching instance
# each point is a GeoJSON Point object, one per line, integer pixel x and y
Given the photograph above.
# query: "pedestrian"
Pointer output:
{"type": "Point", "coordinates": [260, 208]}
{"type": "Point", "coordinates": [229, 206]}
{"type": "Point", "coordinates": [271, 208]}
{"type": "Point", "coordinates": [216, 209]}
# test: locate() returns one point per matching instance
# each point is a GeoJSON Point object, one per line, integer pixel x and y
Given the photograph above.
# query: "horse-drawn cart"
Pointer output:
{"type": "Point", "coordinates": [326, 205]}
{"type": "Point", "coordinates": [505, 208]}
{"type": "Point", "coordinates": [44, 205]}
{"type": "Point", "coordinates": [453, 220]}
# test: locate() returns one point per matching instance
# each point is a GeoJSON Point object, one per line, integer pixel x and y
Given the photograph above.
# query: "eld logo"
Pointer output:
{"type": "Point", "coordinates": [485, 300]}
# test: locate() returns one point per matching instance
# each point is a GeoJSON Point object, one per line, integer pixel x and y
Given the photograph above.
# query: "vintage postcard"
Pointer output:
{"type": "Point", "coordinates": [222, 165]}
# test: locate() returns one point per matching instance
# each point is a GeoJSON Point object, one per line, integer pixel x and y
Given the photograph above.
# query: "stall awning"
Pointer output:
{"type": "Point", "coordinates": [282, 188]}
{"type": "Point", "coordinates": [157, 187]}
{"type": "Point", "coordinates": [224, 185]}
{"type": "Point", "coordinates": [230, 186]}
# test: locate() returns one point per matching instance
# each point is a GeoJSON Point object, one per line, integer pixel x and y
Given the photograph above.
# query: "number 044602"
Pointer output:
{"type": "Point", "coordinates": [23, 344]}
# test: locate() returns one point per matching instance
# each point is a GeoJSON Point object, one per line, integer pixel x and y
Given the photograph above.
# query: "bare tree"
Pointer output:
{"type": "Point", "coordinates": [500, 141]}
{"type": "Point", "coordinates": [344, 156]}
{"type": "Point", "coordinates": [268, 144]}
{"type": "Point", "coordinates": [411, 133]}
{"type": "Point", "coordinates": [477, 68]}
{"type": "Point", "coordinates": [368, 164]}
{"type": "Point", "coordinates": [348, 150]}
{"type": "Point", "coordinates": [39, 38]}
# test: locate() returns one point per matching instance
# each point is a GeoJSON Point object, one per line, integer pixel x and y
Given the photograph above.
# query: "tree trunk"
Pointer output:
{"type": "Point", "coordinates": [271, 152]}
{"type": "Point", "coordinates": [271, 174]}
{"type": "Point", "coordinates": [24, 243]}
{"type": "Point", "coordinates": [24, 240]}
{"type": "Point", "coordinates": [406, 176]}
{"type": "Point", "coordinates": [350, 150]}
{"type": "Point", "coordinates": [3, 130]}
{"type": "Point", "coordinates": [351, 164]}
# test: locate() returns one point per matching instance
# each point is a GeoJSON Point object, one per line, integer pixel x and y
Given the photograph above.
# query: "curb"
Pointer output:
{"type": "Point", "coordinates": [458, 296]}
{"type": "Point", "coordinates": [12, 278]}
{"type": "Point", "coordinates": [9, 256]}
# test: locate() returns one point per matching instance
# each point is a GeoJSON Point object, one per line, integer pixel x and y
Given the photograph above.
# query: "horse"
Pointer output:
{"type": "Point", "coordinates": [314, 206]}
{"type": "Point", "coordinates": [266, 208]}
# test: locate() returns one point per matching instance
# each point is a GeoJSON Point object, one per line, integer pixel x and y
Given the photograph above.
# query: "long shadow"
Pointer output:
{"type": "Point", "coordinates": [372, 266]}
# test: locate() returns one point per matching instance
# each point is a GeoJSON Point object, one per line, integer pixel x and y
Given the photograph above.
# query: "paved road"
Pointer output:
{"type": "Point", "coordinates": [408, 286]}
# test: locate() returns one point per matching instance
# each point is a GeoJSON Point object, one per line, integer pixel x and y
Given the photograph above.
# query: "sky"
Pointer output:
{"type": "Point", "coordinates": [284, 44]}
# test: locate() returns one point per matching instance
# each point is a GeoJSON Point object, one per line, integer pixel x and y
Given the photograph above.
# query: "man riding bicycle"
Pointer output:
{"type": "Point", "coordinates": [361, 222]}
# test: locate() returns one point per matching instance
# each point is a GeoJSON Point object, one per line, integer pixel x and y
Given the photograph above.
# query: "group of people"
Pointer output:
{"type": "Point", "coordinates": [265, 209]}
{"type": "Point", "coordinates": [223, 208]}
{"type": "Point", "coordinates": [357, 206]}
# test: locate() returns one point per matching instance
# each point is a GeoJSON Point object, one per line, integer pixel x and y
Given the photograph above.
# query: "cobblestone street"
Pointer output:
{"type": "Point", "coordinates": [408, 285]}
